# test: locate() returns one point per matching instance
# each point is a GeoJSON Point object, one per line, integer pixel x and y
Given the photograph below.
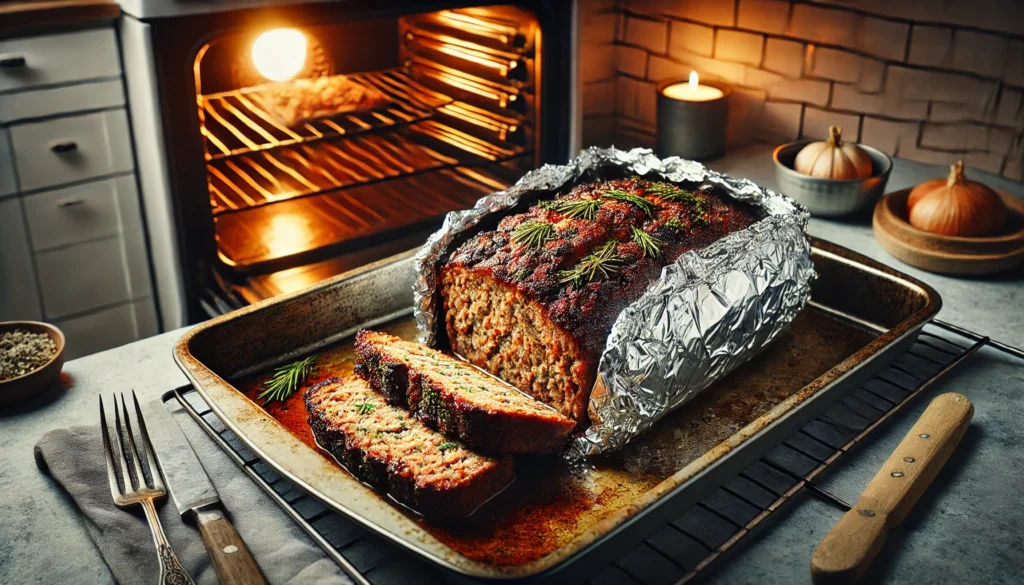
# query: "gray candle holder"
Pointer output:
{"type": "Point", "coordinates": [692, 130]}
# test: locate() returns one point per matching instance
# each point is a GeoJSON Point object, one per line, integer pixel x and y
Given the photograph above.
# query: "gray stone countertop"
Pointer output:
{"type": "Point", "coordinates": [966, 529]}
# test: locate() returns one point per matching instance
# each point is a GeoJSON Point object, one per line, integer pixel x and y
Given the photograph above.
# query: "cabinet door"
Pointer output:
{"type": "Point", "coordinates": [18, 297]}
{"type": "Point", "coordinates": [7, 185]}
{"type": "Point", "coordinates": [60, 58]}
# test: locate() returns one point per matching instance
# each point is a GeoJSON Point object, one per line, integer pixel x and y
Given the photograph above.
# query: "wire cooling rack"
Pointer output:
{"type": "Point", "coordinates": [684, 547]}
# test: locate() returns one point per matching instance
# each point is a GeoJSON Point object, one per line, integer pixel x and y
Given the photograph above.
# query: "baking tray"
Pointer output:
{"type": "Point", "coordinates": [861, 316]}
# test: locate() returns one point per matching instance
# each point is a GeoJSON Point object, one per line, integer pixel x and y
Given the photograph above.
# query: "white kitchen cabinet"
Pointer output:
{"type": "Point", "coordinates": [72, 242]}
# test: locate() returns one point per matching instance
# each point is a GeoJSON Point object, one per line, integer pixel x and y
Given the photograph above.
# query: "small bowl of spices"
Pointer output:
{"type": "Point", "coordinates": [31, 357]}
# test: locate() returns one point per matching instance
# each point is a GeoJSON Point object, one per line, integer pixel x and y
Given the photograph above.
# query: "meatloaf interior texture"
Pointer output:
{"type": "Point", "coordinates": [533, 301]}
{"type": "Point", "coordinates": [458, 399]}
{"type": "Point", "coordinates": [391, 450]}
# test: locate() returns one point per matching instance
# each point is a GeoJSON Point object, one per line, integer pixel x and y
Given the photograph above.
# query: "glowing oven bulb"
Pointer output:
{"type": "Point", "coordinates": [279, 54]}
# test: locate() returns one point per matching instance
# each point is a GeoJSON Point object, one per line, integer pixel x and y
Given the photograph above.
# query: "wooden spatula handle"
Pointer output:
{"type": "Point", "coordinates": [847, 551]}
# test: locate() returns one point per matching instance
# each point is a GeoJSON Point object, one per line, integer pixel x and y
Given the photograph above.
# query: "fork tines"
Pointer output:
{"type": "Point", "coordinates": [128, 477]}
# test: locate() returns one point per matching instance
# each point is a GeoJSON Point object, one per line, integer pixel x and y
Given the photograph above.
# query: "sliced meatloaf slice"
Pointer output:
{"type": "Point", "coordinates": [391, 450]}
{"type": "Point", "coordinates": [534, 300]}
{"type": "Point", "coordinates": [459, 400]}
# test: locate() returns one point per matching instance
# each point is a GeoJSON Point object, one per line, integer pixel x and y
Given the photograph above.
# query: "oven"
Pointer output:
{"type": "Point", "coordinates": [244, 201]}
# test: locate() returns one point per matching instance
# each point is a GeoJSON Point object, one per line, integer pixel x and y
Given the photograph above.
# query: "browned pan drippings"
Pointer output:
{"type": "Point", "coordinates": [550, 502]}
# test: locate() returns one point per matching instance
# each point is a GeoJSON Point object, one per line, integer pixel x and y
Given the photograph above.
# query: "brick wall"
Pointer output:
{"type": "Point", "coordinates": [926, 80]}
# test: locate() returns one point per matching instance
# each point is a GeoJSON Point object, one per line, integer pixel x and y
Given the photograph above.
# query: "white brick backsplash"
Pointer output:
{"type": "Point", "coordinates": [630, 134]}
{"type": "Point", "coordinates": [943, 112]}
{"type": "Point", "coordinates": [1001, 139]}
{"type": "Point", "coordinates": [954, 137]}
{"type": "Point", "coordinates": [889, 136]}
{"type": "Point", "coordinates": [631, 60]}
{"type": "Point", "coordinates": [599, 98]}
{"type": "Point", "coordinates": [768, 16]}
{"type": "Point", "coordinates": [598, 131]}
{"type": "Point", "coordinates": [1015, 64]}
{"type": "Point", "coordinates": [872, 76]}
{"type": "Point", "coordinates": [934, 157]}
{"type": "Point", "coordinates": [884, 38]}
{"type": "Point", "coordinates": [592, 7]}
{"type": "Point", "coordinates": [717, 12]}
{"type": "Point", "coordinates": [597, 62]}
{"type": "Point", "coordinates": [809, 91]}
{"type": "Point", "coordinates": [637, 100]}
{"type": "Point", "coordinates": [738, 46]}
{"type": "Point", "coordinates": [836, 65]}
{"type": "Point", "coordinates": [919, 85]}
{"type": "Point", "coordinates": [598, 28]}
{"type": "Point", "coordinates": [845, 97]}
{"type": "Point", "coordinates": [980, 53]}
{"type": "Point", "coordinates": [986, 161]}
{"type": "Point", "coordinates": [692, 38]}
{"type": "Point", "coordinates": [785, 57]}
{"type": "Point", "coordinates": [745, 109]}
{"type": "Point", "coordinates": [1014, 168]}
{"type": "Point", "coordinates": [1011, 112]}
{"type": "Point", "coordinates": [705, 67]}
{"type": "Point", "coordinates": [816, 123]}
{"type": "Point", "coordinates": [825, 25]}
{"type": "Point", "coordinates": [931, 45]}
{"type": "Point", "coordinates": [780, 122]}
{"type": "Point", "coordinates": [649, 34]}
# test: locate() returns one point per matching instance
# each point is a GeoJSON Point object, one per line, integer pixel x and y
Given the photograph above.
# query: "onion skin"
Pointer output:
{"type": "Point", "coordinates": [956, 206]}
{"type": "Point", "coordinates": [833, 159]}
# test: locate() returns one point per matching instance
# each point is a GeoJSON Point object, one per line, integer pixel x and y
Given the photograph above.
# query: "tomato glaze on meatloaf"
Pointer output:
{"type": "Point", "coordinates": [534, 300]}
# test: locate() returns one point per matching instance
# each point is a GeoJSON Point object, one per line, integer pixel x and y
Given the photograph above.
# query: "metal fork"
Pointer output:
{"type": "Point", "coordinates": [129, 484]}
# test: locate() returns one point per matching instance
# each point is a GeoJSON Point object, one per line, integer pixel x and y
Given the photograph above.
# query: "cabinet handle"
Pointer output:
{"type": "Point", "coordinates": [70, 202]}
{"type": "Point", "coordinates": [12, 60]}
{"type": "Point", "coordinates": [62, 146]}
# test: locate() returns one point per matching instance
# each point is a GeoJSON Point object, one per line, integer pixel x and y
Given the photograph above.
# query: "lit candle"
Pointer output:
{"type": "Point", "coordinates": [692, 118]}
{"type": "Point", "coordinates": [692, 91]}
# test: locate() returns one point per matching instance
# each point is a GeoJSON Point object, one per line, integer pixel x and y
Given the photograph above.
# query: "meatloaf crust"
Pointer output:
{"type": "Point", "coordinates": [394, 452]}
{"type": "Point", "coordinates": [533, 301]}
{"type": "Point", "coordinates": [457, 399]}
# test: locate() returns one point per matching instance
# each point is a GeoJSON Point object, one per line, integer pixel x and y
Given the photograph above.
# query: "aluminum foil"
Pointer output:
{"type": "Point", "coordinates": [710, 311]}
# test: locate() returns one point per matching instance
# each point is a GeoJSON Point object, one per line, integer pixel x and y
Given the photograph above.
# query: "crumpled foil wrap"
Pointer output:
{"type": "Point", "coordinates": [710, 311]}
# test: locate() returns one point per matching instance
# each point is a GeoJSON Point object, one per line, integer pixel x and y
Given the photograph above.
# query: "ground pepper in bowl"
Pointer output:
{"type": "Point", "coordinates": [22, 352]}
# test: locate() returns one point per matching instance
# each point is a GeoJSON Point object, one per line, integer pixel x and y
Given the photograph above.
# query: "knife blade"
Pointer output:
{"type": "Point", "coordinates": [195, 496]}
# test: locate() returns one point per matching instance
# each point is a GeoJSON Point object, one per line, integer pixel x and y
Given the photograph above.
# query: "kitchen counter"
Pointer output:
{"type": "Point", "coordinates": [966, 529]}
{"type": "Point", "coordinates": [20, 18]}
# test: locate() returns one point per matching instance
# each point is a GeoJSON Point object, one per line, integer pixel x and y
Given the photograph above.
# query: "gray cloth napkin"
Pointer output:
{"type": "Point", "coordinates": [74, 458]}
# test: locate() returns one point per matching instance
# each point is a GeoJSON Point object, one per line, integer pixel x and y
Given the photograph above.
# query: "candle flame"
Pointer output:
{"type": "Point", "coordinates": [693, 81]}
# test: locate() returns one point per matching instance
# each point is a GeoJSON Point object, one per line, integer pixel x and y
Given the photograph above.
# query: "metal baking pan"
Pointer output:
{"type": "Point", "coordinates": [555, 517]}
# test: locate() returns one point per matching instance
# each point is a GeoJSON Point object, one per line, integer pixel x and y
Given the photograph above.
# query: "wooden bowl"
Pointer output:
{"type": "Point", "coordinates": [948, 254]}
{"type": "Point", "coordinates": [23, 387]}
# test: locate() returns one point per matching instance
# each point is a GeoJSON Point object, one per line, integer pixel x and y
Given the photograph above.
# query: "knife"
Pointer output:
{"type": "Point", "coordinates": [194, 495]}
{"type": "Point", "coordinates": [847, 551]}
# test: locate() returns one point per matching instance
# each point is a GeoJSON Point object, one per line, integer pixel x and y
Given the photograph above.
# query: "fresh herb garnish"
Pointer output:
{"type": "Point", "coordinates": [645, 205]}
{"type": "Point", "coordinates": [446, 446]}
{"type": "Point", "coordinates": [650, 245]}
{"type": "Point", "coordinates": [675, 194]}
{"type": "Point", "coordinates": [674, 223]}
{"type": "Point", "coordinates": [601, 264]}
{"type": "Point", "coordinates": [365, 407]}
{"type": "Point", "coordinates": [287, 379]}
{"type": "Point", "coordinates": [581, 208]}
{"type": "Point", "coordinates": [533, 234]}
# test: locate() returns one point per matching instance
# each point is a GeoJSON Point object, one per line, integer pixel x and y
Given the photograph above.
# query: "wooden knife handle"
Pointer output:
{"type": "Point", "coordinates": [847, 551]}
{"type": "Point", "coordinates": [231, 558]}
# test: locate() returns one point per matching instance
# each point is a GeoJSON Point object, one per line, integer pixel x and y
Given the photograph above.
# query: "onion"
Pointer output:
{"type": "Point", "coordinates": [956, 206]}
{"type": "Point", "coordinates": [833, 159]}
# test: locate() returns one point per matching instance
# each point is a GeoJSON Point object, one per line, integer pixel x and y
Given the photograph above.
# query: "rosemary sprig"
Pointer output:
{"type": "Point", "coordinates": [645, 205]}
{"type": "Point", "coordinates": [603, 263]}
{"type": "Point", "coordinates": [287, 379]}
{"type": "Point", "coordinates": [580, 208]}
{"type": "Point", "coordinates": [533, 234]}
{"type": "Point", "coordinates": [650, 245]}
{"type": "Point", "coordinates": [446, 446]}
{"type": "Point", "coordinates": [365, 407]}
{"type": "Point", "coordinates": [674, 223]}
{"type": "Point", "coordinates": [675, 194]}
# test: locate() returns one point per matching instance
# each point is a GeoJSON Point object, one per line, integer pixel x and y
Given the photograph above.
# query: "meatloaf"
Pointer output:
{"type": "Point", "coordinates": [394, 452]}
{"type": "Point", "coordinates": [458, 399]}
{"type": "Point", "coordinates": [534, 300]}
{"type": "Point", "coordinates": [296, 102]}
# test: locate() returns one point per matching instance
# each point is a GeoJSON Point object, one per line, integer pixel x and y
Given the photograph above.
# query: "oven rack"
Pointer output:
{"type": "Point", "coordinates": [684, 547]}
{"type": "Point", "coordinates": [235, 122]}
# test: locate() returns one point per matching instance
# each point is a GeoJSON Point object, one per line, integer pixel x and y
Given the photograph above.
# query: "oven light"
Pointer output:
{"type": "Point", "coordinates": [279, 54]}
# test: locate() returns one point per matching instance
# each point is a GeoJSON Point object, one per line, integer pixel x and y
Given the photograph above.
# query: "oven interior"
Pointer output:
{"type": "Point", "coordinates": [293, 204]}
